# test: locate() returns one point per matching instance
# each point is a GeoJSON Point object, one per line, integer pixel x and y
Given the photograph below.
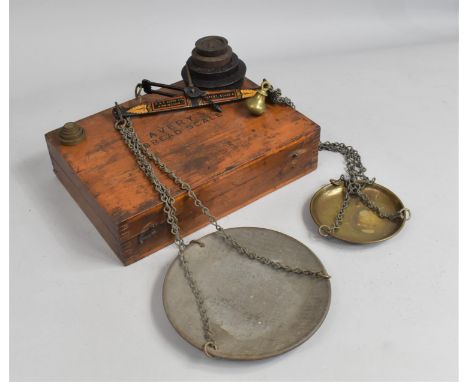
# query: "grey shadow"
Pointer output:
{"type": "Point", "coordinates": [56, 207]}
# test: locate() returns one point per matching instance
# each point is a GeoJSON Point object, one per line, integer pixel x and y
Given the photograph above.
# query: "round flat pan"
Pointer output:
{"type": "Point", "coordinates": [255, 310]}
{"type": "Point", "coordinates": [360, 225]}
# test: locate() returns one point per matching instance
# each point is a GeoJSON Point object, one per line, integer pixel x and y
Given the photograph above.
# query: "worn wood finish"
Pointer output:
{"type": "Point", "coordinates": [229, 158]}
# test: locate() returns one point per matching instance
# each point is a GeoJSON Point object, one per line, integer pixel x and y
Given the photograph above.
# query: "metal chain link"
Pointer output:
{"type": "Point", "coordinates": [143, 156]}
{"type": "Point", "coordinates": [125, 128]}
{"type": "Point", "coordinates": [354, 184]}
{"type": "Point", "coordinates": [274, 96]}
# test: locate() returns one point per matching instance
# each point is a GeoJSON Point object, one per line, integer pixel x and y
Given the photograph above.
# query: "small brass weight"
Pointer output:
{"type": "Point", "coordinates": [256, 104]}
{"type": "Point", "coordinates": [71, 134]}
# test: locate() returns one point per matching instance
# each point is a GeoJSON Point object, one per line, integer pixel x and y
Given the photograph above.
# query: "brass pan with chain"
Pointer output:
{"type": "Point", "coordinates": [360, 225]}
{"type": "Point", "coordinates": [354, 208]}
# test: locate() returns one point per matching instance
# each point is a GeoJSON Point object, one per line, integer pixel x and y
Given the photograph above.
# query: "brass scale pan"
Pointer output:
{"type": "Point", "coordinates": [360, 225]}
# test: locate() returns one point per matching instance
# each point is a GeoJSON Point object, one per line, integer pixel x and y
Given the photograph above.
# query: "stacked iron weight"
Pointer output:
{"type": "Point", "coordinates": [213, 65]}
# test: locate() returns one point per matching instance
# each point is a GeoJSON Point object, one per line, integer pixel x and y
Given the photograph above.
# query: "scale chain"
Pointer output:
{"type": "Point", "coordinates": [143, 157]}
{"type": "Point", "coordinates": [275, 97]}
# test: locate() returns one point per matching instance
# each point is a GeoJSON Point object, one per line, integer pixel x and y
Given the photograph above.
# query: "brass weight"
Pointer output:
{"type": "Point", "coordinates": [71, 134]}
{"type": "Point", "coordinates": [256, 104]}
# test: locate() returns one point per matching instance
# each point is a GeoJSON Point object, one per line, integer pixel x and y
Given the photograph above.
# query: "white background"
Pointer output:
{"type": "Point", "coordinates": [379, 75]}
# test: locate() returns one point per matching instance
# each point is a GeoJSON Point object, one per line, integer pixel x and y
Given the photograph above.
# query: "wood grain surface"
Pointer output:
{"type": "Point", "coordinates": [229, 158]}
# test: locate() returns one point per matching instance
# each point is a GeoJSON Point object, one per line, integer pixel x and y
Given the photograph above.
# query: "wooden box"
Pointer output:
{"type": "Point", "coordinates": [230, 159]}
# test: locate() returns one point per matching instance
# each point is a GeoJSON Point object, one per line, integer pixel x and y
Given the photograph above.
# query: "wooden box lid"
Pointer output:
{"type": "Point", "coordinates": [200, 145]}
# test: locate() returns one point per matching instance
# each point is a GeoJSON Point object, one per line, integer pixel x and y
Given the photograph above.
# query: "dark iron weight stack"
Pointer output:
{"type": "Point", "coordinates": [213, 65]}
